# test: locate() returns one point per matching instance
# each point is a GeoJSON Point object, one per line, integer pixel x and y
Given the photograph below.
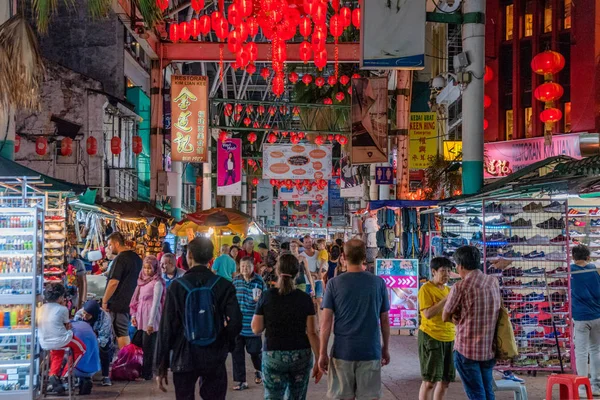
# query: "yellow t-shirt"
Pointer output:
{"type": "Point", "coordinates": [323, 255]}
{"type": "Point", "coordinates": [430, 295]}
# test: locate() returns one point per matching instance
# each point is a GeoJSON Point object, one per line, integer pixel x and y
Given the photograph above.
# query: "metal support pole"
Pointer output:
{"type": "Point", "coordinates": [244, 193]}
{"type": "Point", "coordinates": [177, 168]}
{"type": "Point", "coordinates": [207, 182]}
{"type": "Point", "coordinates": [473, 35]}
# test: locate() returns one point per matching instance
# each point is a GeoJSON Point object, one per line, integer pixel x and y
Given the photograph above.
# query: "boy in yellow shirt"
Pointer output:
{"type": "Point", "coordinates": [436, 338]}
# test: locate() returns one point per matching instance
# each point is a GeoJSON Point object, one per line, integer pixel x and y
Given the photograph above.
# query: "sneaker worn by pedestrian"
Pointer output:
{"type": "Point", "coordinates": [106, 381]}
{"type": "Point", "coordinates": [56, 383]}
{"type": "Point", "coordinates": [509, 376]}
{"type": "Point", "coordinates": [241, 386]}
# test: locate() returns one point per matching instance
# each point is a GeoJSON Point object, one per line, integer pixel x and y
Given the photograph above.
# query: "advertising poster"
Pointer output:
{"type": "Point", "coordinates": [189, 118]}
{"type": "Point", "coordinates": [229, 167]}
{"type": "Point", "coordinates": [305, 161]}
{"type": "Point", "coordinates": [264, 198]}
{"type": "Point", "coordinates": [422, 136]}
{"type": "Point", "coordinates": [337, 208]}
{"type": "Point", "coordinates": [384, 175]}
{"type": "Point", "coordinates": [303, 194]}
{"type": "Point", "coordinates": [351, 184]}
{"type": "Point", "coordinates": [392, 34]}
{"type": "Point", "coordinates": [304, 215]}
{"type": "Point", "coordinates": [369, 120]}
{"type": "Point", "coordinates": [401, 279]}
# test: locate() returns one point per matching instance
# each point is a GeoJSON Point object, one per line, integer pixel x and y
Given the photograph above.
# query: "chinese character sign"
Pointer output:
{"type": "Point", "coordinates": [422, 135]}
{"type": "Point", "coordinates": [189, 118]}
{"type": "Point", "coordinates": [400, 276]}
{"type": "Point", "coordinates": [229, 167]}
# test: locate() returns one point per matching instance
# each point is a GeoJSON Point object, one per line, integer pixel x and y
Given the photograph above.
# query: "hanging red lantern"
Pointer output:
{"type": "Point", "coordinates": [162, 4]}
{"type": "Point", "coordinates": [233, 15]}
{"type": "Point", "coordinates": [344, 80]}
{"type": "Point", "coordinates": [251, 68]}
{"type": "Point", "coordinates": [214, 18]}
{"type": "Point", "coordinates": [350, 90]}
{"type": "Point", "coordinates": [331, 80]}
{"type": "Point", "coordinates": [66, 147]}
{"type": "Point", "coordinates": [197, 5]}
{"type": "Point", "coordinates": [342, 140]}
{"type": "Point", "coordinates": [283, 110]}
{"type": "Point", "coordinates": [252, 24]}
{"type": "Point", "coordinates": [245, 7]}
{"type": "Point", "coordinates": [174, 32]}
{"type": "Point", "coordinates": [194, 27]}
{"type": "Point", "coordinates": [223, 136]}
{"type": "Point", "coordinates": [340, 96]}
{"type": "Point", "coordinates": [305, 51]}
{"type": "Point", "coordinates": [285, 203]}
{"type": "Point", "coordinates": [318, 40]}
{"type": "Point", "coordinates": [272, 138]}
{"type": "Point", "coordinates": [356, 75]}
{"type": "Point", "coordinates": [242, 58]}
{"type": "Point", "coordinates": [485, 124]}
{"type": "Point", "coordinates": [335, 4]}
{"type": "Point", "coordinates": [305, 27]}
{"type": "Point", "coordinates": [336, 26]}
{"type": "Point", "coordinates": [488, 75]}
{"type": "Point", "coordinates": [265, 73]}
{"type": "Point", "coordinates": [320, 81]}
{"type": "Point", "coordinates": [115, 145]}
{"type": "Point", "coordinates": [307, 79]}
{"type": "Point", "coordinates": [221, 28]}
{"type": "Point", "coordinates": [327, 101]}
{"type": "Point", "coordinates": [252, 50]}
{"type": "Point", "coordinates": [136, 145]}
{"type": "Point", "coordinates": [321, 59]}
{"type": "Point", "coordinates": [255, 181]}
{"type": "Point", "coordinates": [346, 15]}
{"type": "Point", "coordinates": [252, 137]}
{"type": "Point", "coordinates": [247, 121]}
{"type": "Point", "coordinates": [295, 140]}
{"type": "Point", "coordinates": [330, 138]}
{"type": "Point", "coordinates": [310, 6]}
{"type": "Point", "coordinates": [547, 62]}
{"type": "Point", "coordinates": [228, 110]}
{"type": "Point", "coordinates": [320, 14]}
{"type": "Point", "coordinates": [272, 110]}
{"type": "Point", "coordinates": [319, 140]}
{"type": "Point", "coordinates": [249, 109]}
{"type": "Point", "coordinates": [551, 115]}
{"type": "Point", "coordinates": [356, 18]}
{"type": "Point", "coordinates": [487, 101]}
{"type": "Point", "coordinates": [260, 110]}
{"type": "Point", "coordinates": [204, 24]}
{"type": "Point", "coordinates": [41, 145]}
{"type": "Point", "coordinates": [548, 91]}
{"type": "Point", "coordinates": [234, 44]}
{"type": "Point", "coordinates": [296, 111]}
{"type": "Point", "coordinates": [239, 108]}
{"type": "Point", "coordinates": [91, 146]}
{"type": "Point", "coordinates": [293, 77]}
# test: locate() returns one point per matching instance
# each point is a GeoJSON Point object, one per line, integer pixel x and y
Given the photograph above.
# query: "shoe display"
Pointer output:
{"type": "Point", "coordinates": [556, 256]}
{"type": "Point", "coordinates": [535, 283]}
{"type": "Point", "coordinates": [494, 271]}
{"type": "Point", "coordinates": [527, 308]}
{"type": "Point", "coordinates": [475, 221]}
{"type": "Point", "coordinates": [520, 223]}
{"type": "Point", "coordinates": [535, 254]}
{"type": "Point", "coordinates": [452, 221]}
{"type": "Point", "coordinates": [454, 210]}
{"type": "Point", "coordinates": [493, 208]}
{"type": "Point", "coordinates": [559, 283]}
{"type": "Point", "coordinates": [559, 239]}
{"type": "Point", "coordinates": [510, 255]}
{"type": "Point", "coordinates": [552, 223]}
{"type": "Point", "coordinates": [501, 221]}
{"type": "Point", "coordinates": [534, 297]}
{"type": "Point", "coordinates": [575, 213]}
{"type": "Point", "coordinates": [595, 254]}
{"type": "Point", "coordinates": [558, 297]}
{"type": "Point", "coordinates": [511, 208]}
{"type": "Point", "coordinates": [574, 233]}
{"type": "Point", "coordinates": [538, 239]}
{"type": "Point", "coordinates": [516, 239]}
{"type": "Point", "coordinates": [534, 271]}
{"type": "Point", "coordinates": [496, 237]}
{"type": "Point", "coordinates": [554, 207]}
{"type": "Point", "coordinates": [594, 212]}
{"type": "Point", "coordinates": [559, 270]}
{"type": "Point", "coordinates": [512, 271]}
{"type": "Point", "coordinates": [533, 208]}
{"type": "Point", "coordinates": [526, 320]}
{"type": "Point", "coordinates": [471, 211]}
{"type": "Point", "coordinates": [450, 234]}
{"type": "Point", "coordinates": [536, 333]}
{"type": "Point", "coordinates": [560, 309]}
{"type": "Point", "coordinates": [512, 283]}
{"type": "Point", "coordinates": [595, 223]}
{"type": "Point", "coordinates": [579, 223]}
{"type": "Point", "coordinates": [477, 236]}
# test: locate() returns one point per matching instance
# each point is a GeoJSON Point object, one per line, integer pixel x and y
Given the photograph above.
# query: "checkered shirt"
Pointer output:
{"type": "Point", "coordinates": [475, 303]}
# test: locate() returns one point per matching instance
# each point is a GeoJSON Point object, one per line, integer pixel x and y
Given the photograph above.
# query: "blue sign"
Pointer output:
{"type": "Point", "coordinates": [384, 175]}
{"type": "Point", "coordinates": [336, 203]}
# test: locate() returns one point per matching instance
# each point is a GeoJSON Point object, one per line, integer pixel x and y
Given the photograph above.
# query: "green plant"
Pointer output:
{"type": "Point", "coordinates": [442, 178]}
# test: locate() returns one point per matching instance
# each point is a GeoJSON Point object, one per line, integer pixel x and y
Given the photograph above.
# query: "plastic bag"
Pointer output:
{"type": "Point", "coordinates": [128, 366]}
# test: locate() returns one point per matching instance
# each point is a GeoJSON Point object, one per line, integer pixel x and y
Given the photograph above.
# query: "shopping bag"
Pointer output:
{"type": "Point", "coordinates": [505, 344]}
{"type": "Point", "coordinates": [128, 366]}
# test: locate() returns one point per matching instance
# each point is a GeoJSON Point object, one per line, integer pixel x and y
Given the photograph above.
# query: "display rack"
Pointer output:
{"type": "Point", "coordinates": [532, 236]}
{"type": "Point", "coordinates": [21, 230]}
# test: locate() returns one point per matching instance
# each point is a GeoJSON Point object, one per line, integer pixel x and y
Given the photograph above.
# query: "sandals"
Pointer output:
{"type": "Point", "coordinates": [258, 378]}
{"type": "Point", "coordinates": [241, 386]}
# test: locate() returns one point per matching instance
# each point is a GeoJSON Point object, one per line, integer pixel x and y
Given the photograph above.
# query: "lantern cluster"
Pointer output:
{"type": "Point", "coordinates": [488, 76]}
{"type": "Point", "coordinates": [307, 184]}
{"type": "Point", "coordinates": [547, 64]}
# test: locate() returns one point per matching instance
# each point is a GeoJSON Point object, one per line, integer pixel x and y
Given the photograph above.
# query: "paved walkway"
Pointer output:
{"type": "Point", "coordinates": [401, 381]}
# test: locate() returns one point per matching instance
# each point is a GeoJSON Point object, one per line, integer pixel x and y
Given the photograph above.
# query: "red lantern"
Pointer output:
{"type": "Point", "coordinates": [251, 69]}
{"type": "Point", "coordinates": [295, 140]}
{"type": "Point", "coordinates": [307, 79]}
{"type": "Point", "coordinates": [356, 75]}
{"type": "Point", "coordinates": [194, 27]}
{"type": "Point", "coordinates": [342, 140]}
{"type": "Point", "coordinates": [340, 96]}
{"type": "Point", "coordinates": [214, 18]}
{"type": "Point", "coordinates": [551, 115]}
{"type": "Point", "coordinates": [234, 44]}
{"type": "Point", "coordinates": [245, 7]}
{"type": "Point", "coordinates": [327, 101]}
{"type": "Point", "coordinates": [239, 108]}
{"type": "Point", "coordinates": [272, 138]}
{"type": "Point", "coordinates": [320, 14]}
{"type": "Point", "coordinates": [174, 32]}
{"type": "Point", "coordinates": [91, 146]}
{"type": "Point", "coordinates": [321, 59]}
{"type": "Point", "coordinates": [293, 77]}
{"type": "Point", "coordinates": [252, 50]}
{"type": "Point", "coordinates": [233, 15]}
{"type": "Point", "coordinates": [255, 181]}
{"type": "Point", "coordinates": [318, 40]}
{"type": "Point", "coordinates": [488, 75]}
{"type": "Point", "coordinates": [221, 28]}
{"type": "Point", "coordinates": [265, 73]}
{"type": "Point", "coordinates": [548, 91]}
{"type": "Point", "coordinates": [247, 121]}
{"type": "Point", "coordinates": [305, 51]}
{"type": "Point", "coordinates": [336, 26]}
{"type": "Point", "coordinates": [485, 124]}
{"type": "Point", "coordinates": [223, 136]}
{"type": "Point", "coordinates": [197, 5]}
{"type": "Point", "coordinates": [252, 137]}
{"type": "Point", "coordinates": [162, 4]}
{"type": "Point", "coordinates": [228, 110]}
{"type": "Point", "coordinates": [66, 147]}
{"type": "Point", "coordinates": [115, 145]}
{"type": "Point", "coordinates": [305, 27]}
{"type": "Point", "coordinates": [17, 143]}
{"type": "Point", "coordinates": [344, 80]}
{"type": "Point", "coordinates": [272, 111]}
{"type": "Point", "coordinates": [260, 110]}
{"type": "Point", "coordinates": [356, 18]}
{"type": "Point", "coordinates": [346, 15]}
{"type": "Point", "coordinates": [204, 24]}
{"type": "Point", "coordinates": [319, 140]}
{"type": "Point", "coordinates": [487, 101]}
{"type": "Point", "coordinates": [285, 203]}
{"type": "Point", "coordinates": [296, 111]}
{"type": "Point", "coordinates": [320, 81]}
{"type": "Point", "coordinates": [252, 26]}
{"type": "Point", "coordinates": [137, 145]}
{"type": "Point", "coordinates": [310, 6]}
{"type": "Point", "coordinates": [331, 80]}
{"type": "Point", "coordinates": [547, 62]}
{"type": "Point", "coordinates": [41, 145]}
{"type": "Point", "coordinates": [184, 31]}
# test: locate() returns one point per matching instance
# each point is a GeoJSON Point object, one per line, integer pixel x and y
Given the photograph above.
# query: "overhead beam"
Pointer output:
{"type": "Point", "coordinates": [209, 51]}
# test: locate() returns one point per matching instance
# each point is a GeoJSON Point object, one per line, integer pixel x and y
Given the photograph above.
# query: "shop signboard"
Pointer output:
{"type": "Point", "coordinates": [305, 161]}
{"type": "Point", "coordinates": [229, 167]}
{"type": "Point", "coordinates": [392, 34]}
{"type": "Point", "coordinates": [351, 184]}
{"type": "Point", "coordinates": [504, 158]}
{"type": "Point", "coordinates": [303, 194]}
{"type": "Point", "coordinates": [189, 114]}
{"type": "Point", "coordinates": [422, 136]}
{"type": "Point", "coordinates": [369, 120]}
{"type": "Point", "coordinates": [384, 175]}
{"type": "Point", "coordinates": [401, 279]}
{"type": "Point", "coordinates": [453, 150]}
{"type": "Point", "coordinates": [336, 202]}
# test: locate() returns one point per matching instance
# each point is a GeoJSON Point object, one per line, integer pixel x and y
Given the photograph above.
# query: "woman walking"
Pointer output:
{"type": "Point", "coordinates": [146, 309]}
{"type": "Point", "coordinates": [304, 280]}
{"type": "Point", "coordinates": [287, 316]}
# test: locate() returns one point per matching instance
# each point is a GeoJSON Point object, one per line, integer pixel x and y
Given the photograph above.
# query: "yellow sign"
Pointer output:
{"type": "Point", "coordinates": [423, 141]}
{"type": "Point", "coordinates": [452, 150]}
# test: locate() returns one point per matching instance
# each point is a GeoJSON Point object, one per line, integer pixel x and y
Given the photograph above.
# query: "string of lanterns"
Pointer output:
{"type": "Point", "coordinates": [91, 145]}
{"type": "Point", "coordinates": [488, 76]}
{"type": "Point", "coordinates": [547, 64]}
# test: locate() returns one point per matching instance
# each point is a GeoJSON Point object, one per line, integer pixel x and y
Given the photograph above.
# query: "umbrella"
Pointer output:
{"type": "Point", "coordinates": [220, 219]}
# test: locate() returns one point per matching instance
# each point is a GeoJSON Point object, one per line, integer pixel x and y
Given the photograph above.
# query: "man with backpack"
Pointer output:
{"type": "Point", "coordinates": [200, 322]}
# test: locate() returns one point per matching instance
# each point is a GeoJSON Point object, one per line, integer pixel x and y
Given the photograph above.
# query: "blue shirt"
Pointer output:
{"type": "Point", "coordinates": [245, 298]}
{"type": "Point", "coordinates": [178, 274]}
{"type": "Point", "coordinates": [585, 293]}
{"type": "Point", "coordinates": [224, 266]}
{"type": "Point", "coordinates": [357, 299]}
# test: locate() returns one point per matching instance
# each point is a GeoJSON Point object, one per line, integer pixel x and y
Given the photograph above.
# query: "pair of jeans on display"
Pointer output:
{"type": "Point", "coordinates": [587, 345]}
{"type": "Point", "coordinates": [476, 376]}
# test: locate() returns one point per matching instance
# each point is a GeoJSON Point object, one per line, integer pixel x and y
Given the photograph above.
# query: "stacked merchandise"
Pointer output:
{"type": "Point", "coordinates": [532, 237]}
{"type": "Point", "coordinates": [54, 248]}
{"type": "Point", "coordinates": [410, 236]}
{"type": "Point", "coordinates": [386, 235]}
{"type": "Point", "coordinates": [584, 227]}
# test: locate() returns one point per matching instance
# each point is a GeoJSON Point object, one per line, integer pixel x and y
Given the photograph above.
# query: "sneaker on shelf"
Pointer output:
{"type": "Point", "coordinates": [594, 212]}
{"type": "Point", "coordinates": [450, 234]}
{"type": "Point", "coordinates": [510, 255]}
{"type": "Point", "coordinates": [595, 243]}
{"type": "Point", "coordinates": [557, 271]}
{"type": "Point", "coordinates": [534, 297]}
{"type": "Point", "coordinates": [556, 256]}
{"type": "Point", "coordinates": [526, 320]}
{"type": "Point", "coordinates": [452, 221]}
{"type": "Point", "coordinates": [511, 208]}
{"type": "Point", "coordinates": [512, 283]}
{"type": "Point", "coordinates": [494, 271]}
{"type": "Point", "coordinates": [500, 221]}
{"type": "Point", "coordinates": [496, 237]}
{"type": "Point", "coordinates": [595, 223]}
{"type": "Point", "coordinates": [493, 208]}
{"type": "Point", "coordinates": [559, 239]}
{"type": "Point", "coordinates": [533, 207]}
{"type": "Point", "coordinates": [576, 222]}
{"type": "Point", "coordinates": [576, 213]}
{"type": "Point", "coordinates": [574, 233]}
{"type": "Point", "coordinates": [516, 239]}
{"type": "Point", "coordinates": [555, 206]}
{"type": "Point", "coordinates": [509, 376]}
{"type": "Point", "coordinates": [477, 236]}
{"type": "Point", "coordinates": [526, 308]}
{"type": "Point", "coordinates": [471, 211]}
{"type": "Point", "coordinates": [534, 271]}
{"type": "Point", "coordinates": [536, 333]}
{"type": "Point", "coordinates": [595, 254]}
{"type": "Point", "coordinates": [521, 223]}
{"type": "Point", "coordinates": [475, 222]}
{"type": "Point", "coordinates": [512, 271]}
{"type": "Point", "coordinates": [511, 296]}
{"type": "Point", "coordinates": [552, 223]}
{"type": "Point", "coordinates": [535, 254]}
{"type": "Point", "coordinates": [560, 308]}
{"type": "Point", "coordinates": [538, 239]}
{"type": "Point", "coordinates": [559, 283]}
{"type": "Point", "coordinates": [558, 297]}
{"type": "Point", "coordinates": [534, 283]}
{"type": "Point", "coordinates": [453, 210]}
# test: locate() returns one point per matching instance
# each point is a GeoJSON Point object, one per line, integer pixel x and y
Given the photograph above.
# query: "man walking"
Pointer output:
{"type": "Point", "coordinates": [191, 361]}
{"type": "Point", "coordinates": [168, 265]}
{"type": "Point", "coordinates": [473, 305]}
{"type": "Point", "coordinates": [585, 292]}
{"type": "Point", "coordinates": [122, 281]}
{"type": "Point", "coordinates": [224, 265]}
{"type": "Point", "coordinates": [359, 302]}
{"type": "Point", "coordinates": [248, 287]}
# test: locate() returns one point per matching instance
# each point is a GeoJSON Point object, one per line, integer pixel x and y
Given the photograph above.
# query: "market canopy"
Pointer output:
{"type": "Point", "coordinates": [219, 219]}
{"type": "Point", "coordinates": [135, 209]}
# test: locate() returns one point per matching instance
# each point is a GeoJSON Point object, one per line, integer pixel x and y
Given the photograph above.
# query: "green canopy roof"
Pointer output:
{"type": "Point", "coordinates": [12, 169]}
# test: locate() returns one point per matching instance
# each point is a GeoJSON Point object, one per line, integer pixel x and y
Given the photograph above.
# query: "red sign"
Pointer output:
{"type": "Point", "coordinates": [189, 112]}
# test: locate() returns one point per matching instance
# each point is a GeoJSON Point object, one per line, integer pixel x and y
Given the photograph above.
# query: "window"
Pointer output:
{"type": "Point", "coordinates": [567, 14]}
{"type": "Point", "coordinates": [567, 117]}
{"type": "Point", "coordinates": [528, 122]}
{"type": "Point", "coordinates": [509, 124]}
{"type": "Point", "coordinates": [528, 28]}
{"type": "Point", "coordinates": [547, 16]}
{"type": "Point", "coordinates": [508, 21]}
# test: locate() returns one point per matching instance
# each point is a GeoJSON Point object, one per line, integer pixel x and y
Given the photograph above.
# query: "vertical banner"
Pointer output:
{"type": "Point", "coordinates": [369, 120]}
{"type": "Point", "coordinates": [401, 279]}
{"type": "Point", "coordinates": [351, 184]}
{"type": "Point", "coordinates": [422, 136]}
{"type": "Point", "coordinates": [189, 114]}
{"type": "Point", "coordinates": [264, 198]}
{"type": "Point", "coordinates": [337, 209]}
{"type": "Point", "coordinates": [229, 167]}
{"type": "Point", "coordinates": [392, 34]}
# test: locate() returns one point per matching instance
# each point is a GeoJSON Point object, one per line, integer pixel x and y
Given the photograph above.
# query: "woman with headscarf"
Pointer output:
{"type": "Point", "coordinates": [146, 309]}
{"type": "Point", "coordinates": [101, 323]}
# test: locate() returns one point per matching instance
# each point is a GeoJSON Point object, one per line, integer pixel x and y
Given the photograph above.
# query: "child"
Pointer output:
{"type": "Point", "coordinates": [322, 258]}
{"type": "Point", "coordinates": [55, 333]}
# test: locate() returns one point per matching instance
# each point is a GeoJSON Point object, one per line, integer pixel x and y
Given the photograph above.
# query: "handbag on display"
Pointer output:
{"type": "Point", "coordinates": [504, 342]}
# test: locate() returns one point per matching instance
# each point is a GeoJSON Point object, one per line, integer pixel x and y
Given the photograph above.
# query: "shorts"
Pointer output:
{"type": "Point", "coordinates": [354, 379]}
{"type": "Point", "coordinates": [436, 359]}
{"type": "Point", "coordinates": [120, 324]}
{"type": "Point", "coordinates": [319, 289]}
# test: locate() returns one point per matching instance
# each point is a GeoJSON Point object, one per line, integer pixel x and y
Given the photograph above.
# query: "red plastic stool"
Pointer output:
{"type": "Point", "coordinates": [569, 386]}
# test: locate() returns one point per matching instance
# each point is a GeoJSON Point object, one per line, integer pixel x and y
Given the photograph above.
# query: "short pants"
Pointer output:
{"type": "Point", "coordinates": [120, 324]}
{"type": "Point", "coordinates": [319, 289]}
{"type": "Point", "coordinates": [436, 359]}
{"type": "Point", "coordinates": [354, 379]}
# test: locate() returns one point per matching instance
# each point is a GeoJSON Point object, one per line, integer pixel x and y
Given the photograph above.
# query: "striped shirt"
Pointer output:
{"type": "Point", "coordinates": [475, 303]}
{"type": "Point", "coordinates": [243, 291]}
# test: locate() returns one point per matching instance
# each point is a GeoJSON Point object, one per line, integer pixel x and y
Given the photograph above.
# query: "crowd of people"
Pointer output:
{"type": "Point", "coordinates": [282, 305]}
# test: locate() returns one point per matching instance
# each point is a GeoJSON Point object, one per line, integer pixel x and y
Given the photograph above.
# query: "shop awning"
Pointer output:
{"type": "Point", "coordinates": [135, 209]}
{"type": "Point", "coordinates": [377, 204]}
{"type": "Point", "coordinates": [11, 169]}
